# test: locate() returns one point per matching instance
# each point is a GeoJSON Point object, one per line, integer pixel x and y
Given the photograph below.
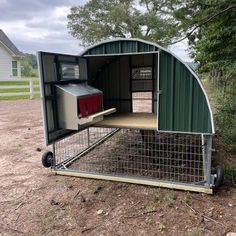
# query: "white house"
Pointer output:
{"type": "Point", "coordinates": [10, 58]}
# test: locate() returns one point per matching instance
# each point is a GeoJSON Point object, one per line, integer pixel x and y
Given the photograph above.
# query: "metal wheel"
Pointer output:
{"type": "Point", "coordinates": [47, 159]}
{"type": "Point", "coordinates": [219, 176]}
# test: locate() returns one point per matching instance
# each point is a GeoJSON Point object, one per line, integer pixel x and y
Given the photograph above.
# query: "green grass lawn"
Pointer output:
{"type": "Point", "coordinates": [15, 90]}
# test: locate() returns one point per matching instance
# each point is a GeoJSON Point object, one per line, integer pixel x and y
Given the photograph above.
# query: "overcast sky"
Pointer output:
{"type": "Point", "coordinates": [40, 25]}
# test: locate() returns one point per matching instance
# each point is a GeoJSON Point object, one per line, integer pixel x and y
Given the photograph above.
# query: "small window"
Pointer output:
{"type": "Point", "coordinates": [14, 68]}
{"type": "Point", "coordinates": [69, 71]}
{"type": "Point", "coordinates": [140, 73]}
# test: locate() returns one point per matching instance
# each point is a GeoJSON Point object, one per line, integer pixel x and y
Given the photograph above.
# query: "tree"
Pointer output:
{"type": "Point", "coordinates": [100, 20]}
{"type": "Point", "coordinates": [32, 59]}
{"type": "Point", "coordinates": [25, 68]}
{"type": "Point", "coordinates": [210, 27]}
{"type": "Point", "coordinates": [29, 66]}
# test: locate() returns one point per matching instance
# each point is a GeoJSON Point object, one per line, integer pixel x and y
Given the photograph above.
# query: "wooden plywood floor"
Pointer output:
{"type": "Point", "coordinates": [130, 120]}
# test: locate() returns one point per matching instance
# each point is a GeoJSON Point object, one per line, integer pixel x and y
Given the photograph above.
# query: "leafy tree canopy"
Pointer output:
{"type": "Point", "coordinates": [29, 66]}
{"type": "Point", "coordinates": [32, 59]}
{"type": "Point", "coordinates": [210, 27]}
{"type": "Point", "coordinates": [100, 20]}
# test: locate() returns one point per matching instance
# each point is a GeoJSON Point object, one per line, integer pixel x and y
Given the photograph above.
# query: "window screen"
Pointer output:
{"type": "Point", "coordinates": [140, 73]}
{"type": "Point", "coordinates": [14, 68]}
{"type": "Point", "coordinates": [69, 71]}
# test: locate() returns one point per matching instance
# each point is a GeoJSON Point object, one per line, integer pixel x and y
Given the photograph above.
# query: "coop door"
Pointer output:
{"type": "Point", "coordinates": [142, 88]}
{"type": "Point", "coordinates": [183, 105]}
{"type": "Point", "coordinates": [57, 69]}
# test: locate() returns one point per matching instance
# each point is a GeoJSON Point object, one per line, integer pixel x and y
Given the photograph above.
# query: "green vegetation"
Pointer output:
{"type": "Point", "coordinates": [211, 33]}
{"type": "Point", "coordinates": [100, 20]}
{"type": "Point", "coordinates": [230, 173]}
{"type": "Point", "coordinates": [29, 66]}
{"type": "Point", "coordinates": [226, 116]}
{"type": "Point", "coordinates": [28, 69]}
{"type": "Point", "coordinates": [14, 83]}
{"type": "Point", "coordinates": [217, 100]}
{"type": "Point", "coordinates": [15, 90]}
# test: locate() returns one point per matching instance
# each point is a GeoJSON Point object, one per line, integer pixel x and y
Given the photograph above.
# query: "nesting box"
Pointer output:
{"type": "Point", "coordinates": [79, 105]}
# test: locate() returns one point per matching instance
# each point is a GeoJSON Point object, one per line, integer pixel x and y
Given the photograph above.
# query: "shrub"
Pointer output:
{"type": "Point", "coordinates": [226, 116]}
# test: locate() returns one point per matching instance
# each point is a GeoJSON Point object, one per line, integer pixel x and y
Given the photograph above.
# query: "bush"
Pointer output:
{"type": "Point", "coordinates": [226, 116]}
{"type": "Point", "coordinates": [230, 173]}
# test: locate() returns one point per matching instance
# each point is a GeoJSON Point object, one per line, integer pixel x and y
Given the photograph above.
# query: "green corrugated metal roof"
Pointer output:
{"type": "Point", "coordinates": [119, 47]}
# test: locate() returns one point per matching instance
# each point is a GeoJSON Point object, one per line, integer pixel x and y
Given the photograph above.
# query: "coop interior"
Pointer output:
{"type": "Point", "coordinates": [128, 84]}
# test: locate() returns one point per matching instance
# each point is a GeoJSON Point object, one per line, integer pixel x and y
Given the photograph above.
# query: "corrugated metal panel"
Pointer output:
{"type": "Point", "coordinates": [114, 80]}
{"type": "Point", "coordinates": [112, 48]}
{"type": "Point", "coordinates": [142, 60]}
{"type": "Point", "coordinates": [129, 46]}
{"type": "Point", "coordinates": [121, 46]}
{"type": "Point", "coordinates": [182, 105]}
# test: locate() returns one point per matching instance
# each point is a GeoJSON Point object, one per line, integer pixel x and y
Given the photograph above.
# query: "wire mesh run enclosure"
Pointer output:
{"type": "Point", "coordinates": [142, 156]}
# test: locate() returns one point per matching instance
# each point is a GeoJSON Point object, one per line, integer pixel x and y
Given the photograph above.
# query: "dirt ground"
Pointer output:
{"type": "Point", "coordinates": [34, 201]}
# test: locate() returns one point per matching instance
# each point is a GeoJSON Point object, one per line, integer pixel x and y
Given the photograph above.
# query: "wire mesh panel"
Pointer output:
{"type": "Point", "coordinates": [70, 147]}
{"type": "Point", "coordinates": [139, 153]}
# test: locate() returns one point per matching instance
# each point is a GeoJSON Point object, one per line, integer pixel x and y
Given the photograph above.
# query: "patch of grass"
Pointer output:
{"type": "Point", "coordinates": [167, 197]}
{"type": "Point", "coordinates": [211, 92]}
{"type": "Point", "coordinates": [17, 90]}
{"type": "Point", "coordinates": [18, 97]}
{"type": "Point", "coordinates": [150, 221]}
{"type": "Point", "coordinates": [158, 195]}
{"type": "Point", "coordinates": [14, 83]}
{"type": "Point", "coordinates": [35, 82]}
{"type": "Point", "coordinates": [150, 207]}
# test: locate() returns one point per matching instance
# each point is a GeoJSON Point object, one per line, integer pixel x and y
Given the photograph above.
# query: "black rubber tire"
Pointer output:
{"type": "Point", "coordinates": [219, 179]}
{"type": "Point", "coordinates": [47, 159]}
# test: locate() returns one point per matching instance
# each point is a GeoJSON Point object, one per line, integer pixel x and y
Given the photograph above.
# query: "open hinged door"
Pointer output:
{"type": "Point", "coordinates": [56, 70]}
{"type": "Point", "coordinates": [183, 105]}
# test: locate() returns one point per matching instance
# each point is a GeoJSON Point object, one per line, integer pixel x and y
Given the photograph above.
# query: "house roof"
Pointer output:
{"type": "Point", "coordinates": [9, 44]}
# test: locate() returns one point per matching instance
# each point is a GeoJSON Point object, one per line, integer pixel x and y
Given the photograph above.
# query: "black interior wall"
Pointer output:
{"type": "Point", "coordinates": [112, 75]}
{"type": "Point", "coordinates": [155, 81]}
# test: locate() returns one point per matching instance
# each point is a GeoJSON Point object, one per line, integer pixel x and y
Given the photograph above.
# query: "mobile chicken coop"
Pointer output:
{"type": "Point", "coordinates": [127, 110]}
